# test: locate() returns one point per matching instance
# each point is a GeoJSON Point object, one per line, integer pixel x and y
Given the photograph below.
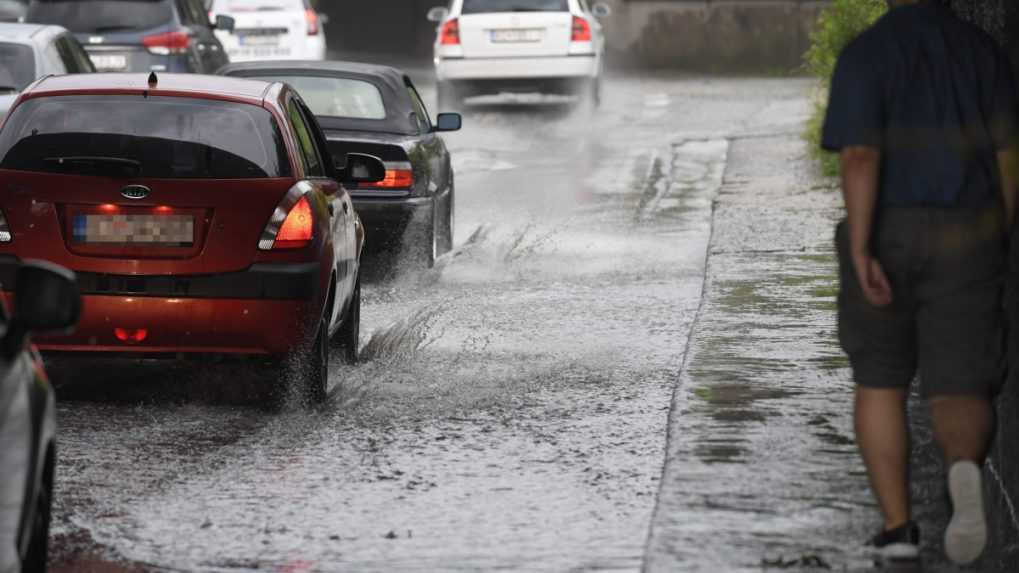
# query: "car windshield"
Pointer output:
{"type": "Point", "coordinates": [17, 67]}
{"type": "Point", "coordinates": [160, 137]}
{"type": "Point", "coordinates": [483, 6]}
{"type": "Point", "coordinates": [101, 16]}
{"type": "Point", "coordinates": [337, 97]}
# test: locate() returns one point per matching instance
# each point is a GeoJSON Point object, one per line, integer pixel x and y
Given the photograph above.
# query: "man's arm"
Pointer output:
{"type": "Point", "coordinates": [861, 169]}
{"type": "Point", "coordinates": [1008, 163]}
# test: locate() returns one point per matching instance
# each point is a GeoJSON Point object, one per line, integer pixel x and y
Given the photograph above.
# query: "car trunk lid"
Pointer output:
{"type": "Point", "coordinates": [517, 34]}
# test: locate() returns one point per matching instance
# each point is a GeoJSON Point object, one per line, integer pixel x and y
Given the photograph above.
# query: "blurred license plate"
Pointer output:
{"type": "Point", "coordinates": [161, 230]}
{"type": "Point", "coordinates": [518, 35]}
{"type": "Point", "coordinates": [109, 62]}
{"type": "Point", "coordinates": [258, 40]}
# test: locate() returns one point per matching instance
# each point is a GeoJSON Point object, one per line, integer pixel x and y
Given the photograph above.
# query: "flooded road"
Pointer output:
{"type": "Point", "coordinates": [511, 408]}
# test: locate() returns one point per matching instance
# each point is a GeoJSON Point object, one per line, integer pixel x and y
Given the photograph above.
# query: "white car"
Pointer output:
{"type": "Point", "coordinates": [31, 51]}
{"type": "Point", "coordinates": [271, 30]}
{"type": "Point", "coordinates": [518, 46]}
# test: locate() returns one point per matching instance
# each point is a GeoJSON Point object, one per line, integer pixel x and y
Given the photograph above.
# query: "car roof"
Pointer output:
{"type": "Point", "coordinates": [193, 85]}
{"type": "Point", "coordinates": [26, 33]}
{"type": "Point", "coordinates": [392, 83]}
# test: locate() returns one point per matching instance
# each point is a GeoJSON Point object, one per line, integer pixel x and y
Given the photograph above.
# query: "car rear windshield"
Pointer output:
{"type": "Point", "coordinates": [157, 137]}
{"type": "Point", "coordinates": [483, 6]}
{"type": "Point", "coordinates": [237, 6]}
{"type": "Point", "coordinates": [336, 97]}
{"type": "Point", "coordinates": [102, 16]}
{"type": "Point", "coordinates": [17, 67]}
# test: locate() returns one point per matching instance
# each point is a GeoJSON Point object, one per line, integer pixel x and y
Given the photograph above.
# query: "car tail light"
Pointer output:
{"type": "Point", "coordinates": [311, 17]}
{"type": "Point", "coordinates": [581, 30]}
{"type": "Point", "coordinates": [131, 335]}
{"type": "Point", "coordinates": [400, 176]}
{"type": "Point", "coordinates": [291, 226]}
{"type": "Point", "coordinates": [168, 43]}
{"type": "Point", "coordinates": [450, 33]}
{"type": "Point", "coordinates": [5, 229]}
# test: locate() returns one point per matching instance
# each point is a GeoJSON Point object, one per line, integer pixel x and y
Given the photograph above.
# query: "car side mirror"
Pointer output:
{"type": "Point", "coordinates": [448, 122]}
{"type": "Point", "coordinates": [438, 14]}
{"type": "Point", "coordinates": [361, 168]}
{"type": "Point", "coordinates": [225, 23]}
{"type": "Point", "coordinates": [46, 299]}
{"type": "Point", "coordinates": [601, 10]}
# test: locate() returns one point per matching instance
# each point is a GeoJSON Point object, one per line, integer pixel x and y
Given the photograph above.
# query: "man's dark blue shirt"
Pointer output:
{"type": "Point", "coordinates": [937, 96]}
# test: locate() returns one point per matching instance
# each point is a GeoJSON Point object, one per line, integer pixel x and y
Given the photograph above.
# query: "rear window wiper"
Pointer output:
{"type": "Point", "coordinates": [106, 29]}
{"type": "Point", "coordinates": [9, 90]}
{"type": "Point", "coordinates": [98, 164]}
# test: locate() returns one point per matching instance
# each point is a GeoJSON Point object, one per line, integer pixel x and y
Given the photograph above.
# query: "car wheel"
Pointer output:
{"type": "Point", "coordinates": [305, 373]}
{"type": "Point", "coordinates": [348, 337]}
{"type": "Point", "coordinates": [448, 98]}
{"type": "Point", "coordinates": [38, 549]}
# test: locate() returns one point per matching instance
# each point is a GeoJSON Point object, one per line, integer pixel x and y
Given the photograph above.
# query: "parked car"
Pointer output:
{"type": "Point", "coordinates": [201, 214]}
{"type": "Point", "coordinates": [377, 110]}
{"type": "Point", "coordinates": [139, 35]}
{"type": "Point", "coordinates": [13, 10]}
{"type": "Point", "coordinates": [31, 51]}
{"type": "Point", "coordinates": [45, 299]}
{"type": "Point", "coordinates": [518, 46]}
{"type": "Point", "coordinates": [272, 30]}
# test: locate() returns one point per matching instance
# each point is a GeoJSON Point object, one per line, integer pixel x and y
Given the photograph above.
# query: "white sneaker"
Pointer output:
{"type": "Point", "coordinates": [966, 536]}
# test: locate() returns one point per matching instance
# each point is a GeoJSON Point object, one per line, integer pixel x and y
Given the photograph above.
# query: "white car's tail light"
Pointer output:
{"type": "Point", "coordinates": [450, 33]}
{"type": "Point", "coordinates": [311, 17]}
{"type": "Point", "coordinates": [5, 229]}
{"type": "Point", "coordinates": [168, 43]}
{"type": "Point", "coordinates": [581, 30]}
{"type": "Point", "coordinates": [292, 224]}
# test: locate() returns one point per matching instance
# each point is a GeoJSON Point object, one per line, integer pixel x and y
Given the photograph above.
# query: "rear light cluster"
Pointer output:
{"type": "Point", "coordinates": [311, 17]}
{"type": "Point", "coordinates": [5, 229]}
{"type": "Point", "coordinates": [581, 30]}
{"type": "Point", "coordinates": [167, 44]}
{"type": "Point", "coordinates": [449, 35]}
{"type": "Point", "coordinates": [292, 225]}
{"type": "Point", "coordinates": [399, 175]}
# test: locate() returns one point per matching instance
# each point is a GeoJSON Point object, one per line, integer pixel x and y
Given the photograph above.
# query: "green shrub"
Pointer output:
{"type": "Point", "coordinates": [839, 23]}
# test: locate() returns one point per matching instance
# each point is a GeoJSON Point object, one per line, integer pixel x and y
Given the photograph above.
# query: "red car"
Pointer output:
{"type": "Point", "coordinates": [202, 215]}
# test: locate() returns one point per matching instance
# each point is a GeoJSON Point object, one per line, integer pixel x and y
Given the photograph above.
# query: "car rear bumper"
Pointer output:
{"type": "Point", "coordinates": [386, 219]}
{"type": "Point", "coordinates": [266, 309]}
{"type": "Point", "coordinates": [453, 69]}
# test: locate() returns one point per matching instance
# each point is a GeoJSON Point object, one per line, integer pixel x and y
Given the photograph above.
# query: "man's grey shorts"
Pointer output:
{"type": "Point", "coordinates": [947, 269]}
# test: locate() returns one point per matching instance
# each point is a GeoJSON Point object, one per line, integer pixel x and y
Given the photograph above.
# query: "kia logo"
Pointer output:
{"type": "Point", "coordinates": [135, 191]}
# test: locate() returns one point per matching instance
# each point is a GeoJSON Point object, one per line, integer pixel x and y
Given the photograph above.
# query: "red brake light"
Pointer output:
{"type": "Point", "coordinates": [395, 179]}
{"type": "Point", "coordinates": [450, 33]}
{"type": "Point", "coordinates": [581, 30]}
{"type": "Point", "coordinates": [311, 17]}
{"type": "Point", "coordinates": [125, 335]}
{"type": "Point", "coordinates": [297, 229]}
{"type": "Point", "coordinates": [169, 43]}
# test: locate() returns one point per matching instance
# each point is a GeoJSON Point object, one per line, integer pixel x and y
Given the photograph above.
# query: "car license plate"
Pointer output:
{"type": "Point", "coordinates": [258, 40]}
{"type": "Point", "coordinates": [109, 62]}
{"type": "Point", "coordinates": [517, 35]}
{"type": "Point", "coordinates": [158, 230]}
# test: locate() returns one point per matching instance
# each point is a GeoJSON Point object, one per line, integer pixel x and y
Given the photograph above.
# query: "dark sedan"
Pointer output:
{"type": "Point", "coordinates": [377, 110]}
{"type": "Point", "coordinates": [45, 299]}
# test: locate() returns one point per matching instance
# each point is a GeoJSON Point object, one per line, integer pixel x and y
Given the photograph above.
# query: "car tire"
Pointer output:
{"type": "Point", "coordinates": [38, 548]}
{"type": "Point", "coordinates": [448, 98]}
{"type": "Point", "coordinates": [305, 372]}
{"type": "Point", "coordinates": [348, 337]}
{"type": "Point", "coordinates": [446, 234]}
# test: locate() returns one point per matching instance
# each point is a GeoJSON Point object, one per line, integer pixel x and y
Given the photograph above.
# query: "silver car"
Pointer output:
{"type": "Point", "coordinates": [31, 51]}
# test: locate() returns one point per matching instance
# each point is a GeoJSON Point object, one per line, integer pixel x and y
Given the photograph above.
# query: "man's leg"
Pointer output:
{"type": "Point", "coordinates": [963, 426]}
{"type": "Point", "coordinates": [882, 434]}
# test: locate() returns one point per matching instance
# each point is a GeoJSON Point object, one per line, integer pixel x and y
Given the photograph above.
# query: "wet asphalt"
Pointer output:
{"type": "Point", "coordinates": [511, 407]}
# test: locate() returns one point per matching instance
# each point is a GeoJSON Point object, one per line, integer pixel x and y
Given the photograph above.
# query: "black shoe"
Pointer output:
{"type": "Point", "coordinates": [900, 545]}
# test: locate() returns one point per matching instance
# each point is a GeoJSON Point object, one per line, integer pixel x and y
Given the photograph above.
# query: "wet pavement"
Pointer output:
{"type": "Point", "coordinates": [512, 405]}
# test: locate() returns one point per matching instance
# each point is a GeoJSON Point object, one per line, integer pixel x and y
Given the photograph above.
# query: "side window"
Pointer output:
{"type": "Point", "coordinates": [424, 122]}
{"type": "Point", "coordinates": [54, 60]}
{"type": "Point", "coordinates": [313, 166]}
{"type": "Point", "coordinates": [192, 13]}
{"type": "Point", "coordinates": [74, 58]}
{"type": "Point", "coordinates": [201, 15]}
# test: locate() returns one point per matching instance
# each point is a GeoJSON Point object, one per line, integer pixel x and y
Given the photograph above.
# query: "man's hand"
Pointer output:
{"type": "Point", "coordinates": [871, 275]}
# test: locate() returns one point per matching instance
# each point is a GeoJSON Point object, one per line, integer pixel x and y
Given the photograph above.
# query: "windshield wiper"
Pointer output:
{"type": "Point", "coordinates": [105, 29]}
{"type": "Point", "coordinates": [98, 164]}
{"type": "Point", "coordinates": [9, 90]}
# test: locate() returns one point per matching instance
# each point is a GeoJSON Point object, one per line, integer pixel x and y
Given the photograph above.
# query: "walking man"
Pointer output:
{"type": "Point", "coordinates": [922, 111]}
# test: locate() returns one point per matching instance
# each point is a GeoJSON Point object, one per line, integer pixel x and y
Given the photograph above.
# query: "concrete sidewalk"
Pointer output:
{"type": "Point", "coordinates": [762, 471]}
